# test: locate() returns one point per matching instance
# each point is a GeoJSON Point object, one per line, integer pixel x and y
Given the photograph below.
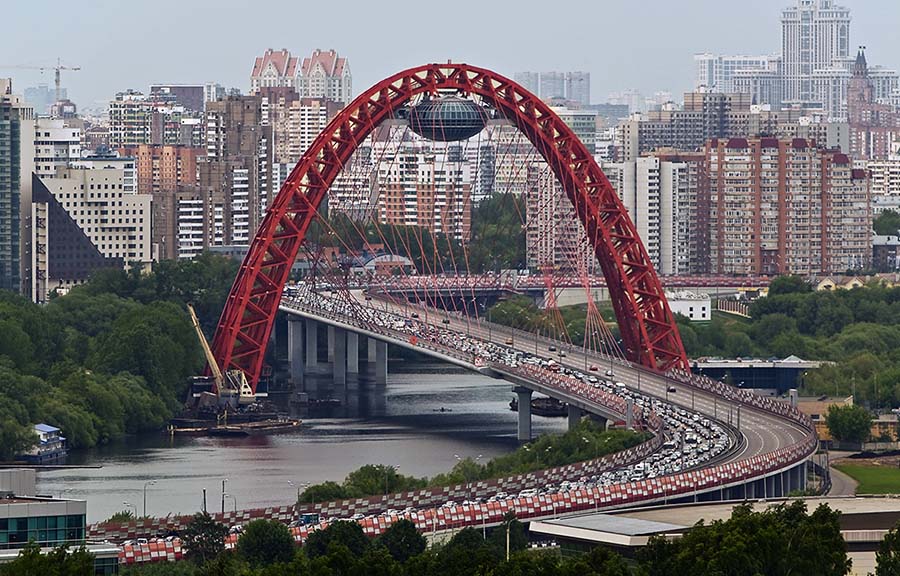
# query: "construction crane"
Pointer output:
{"type": "Point", "coordinates": [57, 69]}
{"type": "Point", "coordinates": [233, 383]}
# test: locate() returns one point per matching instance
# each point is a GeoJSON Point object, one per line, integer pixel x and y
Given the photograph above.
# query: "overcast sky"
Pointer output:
{"type": "Point", "coordinates": [642, 44]}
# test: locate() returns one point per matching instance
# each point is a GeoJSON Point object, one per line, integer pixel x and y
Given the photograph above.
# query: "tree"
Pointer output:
{"type": "Point", "coordinates": [265, 542]}
{"type": "Point", "coordinates": [204, 538]}
{"type": "Point", "coordinates": [788, 285]}
{"type": "Point", "coordinates": [16, 434]}
{"type": "Point", "coordinates": [887, 223]}
{"type": "Point", "coordinates": [778, 541]}
{"type": "Point", "coordinates": [849, 423]}
{"type": "Point", "coordinates": [120, 517]}
{"type": "Point", "coordinates": [600, 561]}
{"type": "Point", "coordinates": [402, 540]}
{"type": "Point", "coordinates": [58, 562]}
{"type": "Point", "coordinates": [518, 539]}
{"type": "Point", "coordinates": [887, 558]}
{"type": "Point", "coordinates": [343, 533]}
{"type": "Point", "coordinates": [323, 493]}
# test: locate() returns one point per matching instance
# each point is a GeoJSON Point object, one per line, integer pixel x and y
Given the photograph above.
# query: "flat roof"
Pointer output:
{"type": "Point", "coordinates": [616, 524]}
{"type": "Point", "coordinates": [692, 513]}
{"type": "Point", "coordinates": [863, 520]}
{"type": "Point", "coordinates": [98, 550]}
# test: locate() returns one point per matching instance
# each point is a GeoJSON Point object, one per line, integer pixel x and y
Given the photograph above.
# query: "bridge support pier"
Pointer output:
{"type": "Point", "coordinates": [295, 349]}
{"type": "Point", "coordinates": [312, 344]}
{"type": "Point", "coordinates": [574, 416]}
{"type": "Point", "coordinates": [629, 413]}
{"type": "Point", "coordinates": [769, 486]}
{"type": "Point", "coordinates": [371, 344]}
{"type": "Point", "coordinates": [381, 362]}
{"type": "Point", "coordinates": [352, 353]}
{"type": "Point", "coordinates": [338, 349]}
{"type": "Point", "coordinates": [524, 399]}
{"type": "Point", "coordinates": [331, 341]}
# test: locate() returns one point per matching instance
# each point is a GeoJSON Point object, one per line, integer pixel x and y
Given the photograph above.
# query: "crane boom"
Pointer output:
{"type": "Point", "coordinates": [56, 69]}
{"type": "Point", "coordinates": [210, 359]}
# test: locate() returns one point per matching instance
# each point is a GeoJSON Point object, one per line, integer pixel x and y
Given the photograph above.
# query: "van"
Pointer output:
{"type": "Point", "coordinates": [528, 493]}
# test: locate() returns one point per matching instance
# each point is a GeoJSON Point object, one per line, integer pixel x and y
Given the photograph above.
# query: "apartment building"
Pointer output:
{"type": "Point", "coordinates": [86, 218]}
{"type": "Point", "coordinates": [781, 206]}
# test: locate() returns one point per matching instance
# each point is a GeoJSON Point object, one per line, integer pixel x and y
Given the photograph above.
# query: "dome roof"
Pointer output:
{"type": "Point", "coordinates": [447, 119]}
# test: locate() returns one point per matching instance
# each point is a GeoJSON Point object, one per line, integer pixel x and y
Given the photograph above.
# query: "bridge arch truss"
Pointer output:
{"type": "Point", "coordinates": [647, 325]}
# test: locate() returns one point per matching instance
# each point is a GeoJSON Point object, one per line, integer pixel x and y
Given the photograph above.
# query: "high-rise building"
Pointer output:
{"type": "Point", "coordinates": [873, 126]}
{"type": "Point", "coordinates": [296, 122]}
{"type": "Point", "coordinates": [96, 207]}
{"type": "Point", "coordinates": [582, 122]}
{"type": "Point", "coordinates": [554, 237]}
{"type": "Point", "coordinates": [813, 71]}
{"type": "Point", "coordinates": [717, 73]}
{"type": "Point", "coordinates": [530, 81]}
{"type": "Point", "coordinates": [129, 120]}
{"type": "Point", "coordinates": [56, 143]}
{"type": "Point", "coordinates": [236, 175]}
{"type": "Point", "coordinates": [578, 87]}
{"type": "Point", "coordinates": [135, 119]}
{"type": "Point", "coordinates": [322, 75]}
{"type": "Point", "coordinates": [425, 183]}
{"type": "Point", "coordinates": [168, 174]}
{"type": "Point", "coordinates": [708, 115]}
{"type": "Point", "coordinates": [325, 75]}
{"type": "Point", "coordinates": [553, 85]}
{"type": "Point", "coordinates": [785, 207]}
{"type": "Point", "coordinates": [815, 35]}
{"type": "Point", "coordinates": [16, 165]}
{"type": "Point", "coordinates": [191, 96]}
{"type": "Point", "coordinates": [41, 97]}
{"type": "Point", "coordinates": [274, 69]}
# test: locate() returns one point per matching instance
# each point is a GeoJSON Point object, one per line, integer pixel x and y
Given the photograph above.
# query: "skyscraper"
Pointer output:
{"type": "Point", "coordinates": [553, 85]}
{"type": "Point", "coordinates": [235, 177]}
{"type": "Point", "coordinates": [16, 164]}
{"type": "Point", "coordinates": [578, 87]}
{"type": "Point", "coordinates": [815, 35]}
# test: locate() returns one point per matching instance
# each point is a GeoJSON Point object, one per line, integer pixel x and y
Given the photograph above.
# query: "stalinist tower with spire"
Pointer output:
{"type": "Point", "coordinates": [873, 126]}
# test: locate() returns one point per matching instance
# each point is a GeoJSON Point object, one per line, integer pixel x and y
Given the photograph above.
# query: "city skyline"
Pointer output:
{"type": "Point", "coordinates": [701, 26]}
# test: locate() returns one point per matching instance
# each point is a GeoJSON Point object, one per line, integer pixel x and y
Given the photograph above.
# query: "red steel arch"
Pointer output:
{"type": "Point", "coordinates": [647, 325]}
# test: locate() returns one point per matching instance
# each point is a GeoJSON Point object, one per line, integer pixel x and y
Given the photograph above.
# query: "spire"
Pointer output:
{"type": "Point", "coordinates": [860, 67]}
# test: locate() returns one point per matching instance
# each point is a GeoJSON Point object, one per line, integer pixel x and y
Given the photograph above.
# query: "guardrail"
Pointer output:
{"type": "Point", "coordinates": [432, 518]}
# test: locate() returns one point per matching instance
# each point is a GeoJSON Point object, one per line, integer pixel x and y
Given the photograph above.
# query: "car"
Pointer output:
{"type": "Point", "coordinates": [552, 348]}
{"type": "Point", "coordinates": [528, 493]}
{"type": "Point", "coordinates": [414, 315]}
{"type": "Point", "coordinates": [594, 368]}
{"type": "Point", "coordinates": [141, 541]}
{"type": "Point", "coordinates": [236, 529]}
{"type": "Point", "coordinates": [446, 320]}
{"type": "Point", "coordinates": [509, 342]}
{"type": "Point", "coordinates": [610, 373]}
{"type": "Point", "coordinates": [562, 354]}
{"type": "Point", "coordinates": [357, 517]}
{"type": "Point", "coordinates": [671, 389]}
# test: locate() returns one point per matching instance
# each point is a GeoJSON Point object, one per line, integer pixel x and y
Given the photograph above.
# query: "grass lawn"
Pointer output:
{"type": "Point", "coordinates": [873, 479]}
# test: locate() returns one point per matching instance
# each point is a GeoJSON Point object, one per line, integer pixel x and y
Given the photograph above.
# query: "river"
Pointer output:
{"type": "Point", "coordinates": [402, 425]}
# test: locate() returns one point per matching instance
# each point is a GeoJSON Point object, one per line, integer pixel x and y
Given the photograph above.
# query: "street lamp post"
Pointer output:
{"type": "Point", "coordinates": [224, 481]}
{"type": "Point", "coordinates": [150, 483]}
{"type": "Point", "coordinates": [387, 470]}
